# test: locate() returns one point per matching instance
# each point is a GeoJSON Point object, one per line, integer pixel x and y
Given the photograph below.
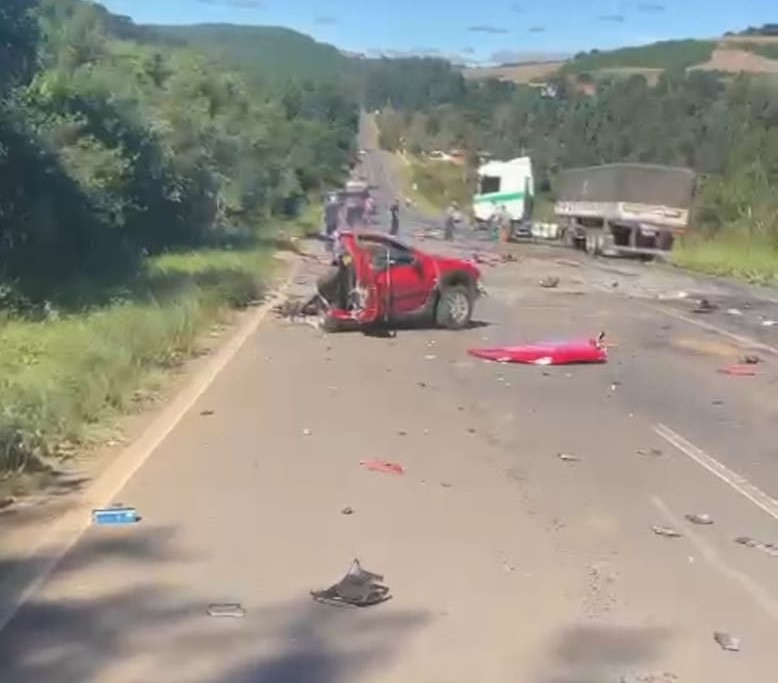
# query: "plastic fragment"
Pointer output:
{"type": "Point", "coordinates": [702, 518]}
{"type": "Point", "coordinates": [567, 457]}
{"type": "Point", "coordinates": [307, 432]}
{"type": "Point", "coordinates": [226, 609]}
{"type": "Point", "coordinates": [115, 515]}
{"type": "Point", "coordinates": [549, 282]}
{"type": "Point", "coordinates": [751, 359]}
{"type": "Point", "coordinates": [383, 466]}
{"type": "Point", "coordinates": [727, 641]}
{"type": "Point", "coordinates": [666, 531]}
{"type": "Point", "coordinates": [738, 370]}
{"type": "Point", "coordinates": [734, 311]}
{"type": "Point", "coordinates": [547, 353]}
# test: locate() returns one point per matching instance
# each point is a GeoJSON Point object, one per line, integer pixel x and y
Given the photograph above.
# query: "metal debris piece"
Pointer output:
{"type": "Point", "coordinates": [207, 413]}
{"type": "Point", "coordinates": [226, 609]}
{"type": "Point", "coordinates": [652, 452]}
{"type": "Point", "coordinates": [727, 641]}
{"type": "Point", "coordinates": [734, 311]}
{"type": "Point", "coordinates": [549, 282]}
{"type": "Point", "coordinates": [307, 432]}
{"type": "Point", "coordinates": [347, 511]}
{"type": "Point", "coordinates": [704, 306]}
{"type": "Point", "coordinates": [749, 542]}
{"type": "Point", "coordinates": [702, 518]}
{"type": "Point", "coordinates": [666, 531]}
{"type": "Point", "coordinates": [358, 588]}
{"type": "Point", "coordinates": [769, 323]}
{"type": "Point", "coordinates": [567, 457]}
{"type": "Point", "coordinates": [751, 359]}
{"type": "Point", "coordinates": [402, 432]}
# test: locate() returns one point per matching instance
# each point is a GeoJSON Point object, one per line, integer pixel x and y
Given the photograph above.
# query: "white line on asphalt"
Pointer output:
{"type": "Point", "coordinates": [63, 534]}
{"type": "Point", "coordinates": [744, 487]}
{"type": "Point", "coordinates": [759, 593]}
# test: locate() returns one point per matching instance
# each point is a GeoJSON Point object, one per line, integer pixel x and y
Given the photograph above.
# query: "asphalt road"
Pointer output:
{"type": "Point", "coordinates": [507, 563]}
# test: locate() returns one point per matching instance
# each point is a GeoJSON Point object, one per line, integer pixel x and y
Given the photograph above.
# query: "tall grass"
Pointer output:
{"type": "Point", "coordinates": [64, 376]}
{"type": "Point", "coordinates": [753, 259]}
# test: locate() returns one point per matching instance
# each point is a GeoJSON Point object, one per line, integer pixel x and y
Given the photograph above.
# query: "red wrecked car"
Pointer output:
{"type": "Point", "coordinates": [379, 279]}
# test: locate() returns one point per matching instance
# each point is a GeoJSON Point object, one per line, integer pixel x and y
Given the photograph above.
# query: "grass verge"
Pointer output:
{"type": "Point", "coordinates": [753, 260]}
{"type": "Point", "coordinates": [66, 378]}
{"type": "Point", "coordinates": [433, 185]}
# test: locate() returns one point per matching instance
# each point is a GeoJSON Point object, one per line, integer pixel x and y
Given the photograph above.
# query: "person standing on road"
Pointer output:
{"type": "Point", "coordinates": [331, 214]}
{"type": "Point", "coordinates": [394, 211]}
{"type": "Point", "coordinates": [453, 216]}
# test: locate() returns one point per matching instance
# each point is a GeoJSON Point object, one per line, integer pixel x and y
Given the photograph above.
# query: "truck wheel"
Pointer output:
{"type": "Point", "coordinates": [454, 308]}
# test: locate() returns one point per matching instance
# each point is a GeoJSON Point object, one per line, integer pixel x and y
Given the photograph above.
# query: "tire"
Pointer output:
{"type": "Point", "coordinates": [454, 309]}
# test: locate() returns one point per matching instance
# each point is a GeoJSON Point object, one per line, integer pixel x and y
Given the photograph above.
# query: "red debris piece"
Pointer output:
{"type": "Point", "coordinates": [561, 352]}
{"type": "Point", "coordinates": [738, 370]}
{"type": "Point", "coordinates": [384, 466]}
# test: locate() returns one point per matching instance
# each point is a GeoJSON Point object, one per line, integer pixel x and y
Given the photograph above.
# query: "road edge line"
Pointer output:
{"type": "Point", "coordinates": [65, 531]}
{"type": "Point", "coordinates": [739, 483]}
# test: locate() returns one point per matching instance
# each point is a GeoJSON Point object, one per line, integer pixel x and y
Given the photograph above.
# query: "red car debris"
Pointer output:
{"type": "Point", "coordinates": [562, 352]}
{"type": "Point", "coordinates": [380, 279]}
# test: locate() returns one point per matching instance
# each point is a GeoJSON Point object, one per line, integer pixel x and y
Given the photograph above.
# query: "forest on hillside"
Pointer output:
{"type": "Point", "coordinates": [117, 143]}
{"type": "Point", "coordinates": [724, 128]}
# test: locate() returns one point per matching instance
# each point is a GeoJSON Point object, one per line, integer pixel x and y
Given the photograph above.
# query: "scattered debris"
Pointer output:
{"type": "Point", "coordinates": [737, 370]}
{"type": "Point", "coordinates": [358, 588]}
{"type": "Point", "coordinates": [7, 502]}
{"type": "Point", "coordinates": [549, 282]}
{"type": "Point", "coordinates": [402, 432]}
{"type": "Point", "coordinates": [704, 306]}
{"type": "Point", "coordinates": [430, 357]}
{"type": "Point", "coordinates": [423, 385]}
{"type": "Point", "coordinates": [384, 466]}
{"type": "Point", "coordinates": [674, 295]}
{"type": "Point", "coordinates": [734, 311]}
{"type": "Point", "coordinates": [307, 432]}
{"type": "Point", "coordinates": [207, 413]}
{"type": "Point", "coordinates": [226, 609]}
{"type": "Point", "coordinates": [727, 642]}
{"type": "Point", "coordinates": [567, 457]}
{"type": "Point", "coordinates": [666, 531]}
{"type": "Point", "coordinates": [769, 323]}
{"type": "Point", "coordinates": [717, 402]}
{"type": "Point", "coordinates": [115, 515]}
{"type": "Point", "coordinates": [471, 431]}
{"type": "Point", "coordinates": [702, 519]}
{"type": "Point", "coordinates": [750, 359]}
{"type": "Point", "coordinates": [651, 452]}
{"type": "Point", "coordinates": [347, 511]}
{"type": "Point", "coordinates": [445, 485]}
{"type": "Point", "coordinates": [749, 542]}
{"type": "Point", "coordinates": [547, 353]}
{"type": "Point", "coordinates": [649, 678]}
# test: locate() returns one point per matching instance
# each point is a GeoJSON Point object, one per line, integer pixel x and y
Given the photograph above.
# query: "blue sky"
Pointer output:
{"type": "Point", "coordinates": [477, 30]}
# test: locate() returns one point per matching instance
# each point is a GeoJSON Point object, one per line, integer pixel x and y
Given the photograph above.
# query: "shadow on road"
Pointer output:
{"type": "Point", "coordinates": [599, 654]}
{"type": "Point", "coordinates": [117, 611]}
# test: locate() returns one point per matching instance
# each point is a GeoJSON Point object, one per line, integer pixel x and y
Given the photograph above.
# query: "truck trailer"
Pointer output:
{"type": "Point", "coordinates": [624, 208]}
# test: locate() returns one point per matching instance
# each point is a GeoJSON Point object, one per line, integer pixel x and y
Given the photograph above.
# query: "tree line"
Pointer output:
{"type": "Point", "coordinates": [116, 143]}
{"type": "Point", "coordinates": [724, 127]}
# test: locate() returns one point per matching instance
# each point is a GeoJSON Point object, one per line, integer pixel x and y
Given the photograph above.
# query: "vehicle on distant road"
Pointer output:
{"type": "Point", "coordinates": [389, 281]}
{"type": "Point", "coordinates": [619, 209]}
{"type": "Point", "coordinates": [507, 184]}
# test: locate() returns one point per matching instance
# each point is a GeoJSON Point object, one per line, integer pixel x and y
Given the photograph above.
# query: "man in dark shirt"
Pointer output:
{"type": "Point", "coordinates": [394, 210]}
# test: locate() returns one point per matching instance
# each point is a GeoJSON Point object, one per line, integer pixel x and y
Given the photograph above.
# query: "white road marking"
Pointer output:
{"type": "Point", "coordinates": [755, 590]}
{"type": "Point", "coordinates": [64, 533]}
{"type": "Point", "coordinates": [744, 487]}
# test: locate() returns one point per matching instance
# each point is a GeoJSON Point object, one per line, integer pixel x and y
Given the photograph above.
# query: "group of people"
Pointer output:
{"type": "Point", "coordinates": [353, 214]}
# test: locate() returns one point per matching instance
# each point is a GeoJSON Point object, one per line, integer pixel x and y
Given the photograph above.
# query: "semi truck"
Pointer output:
{"type": "Point", "coordinates": [506, 184]}
{"type": "Point", "coordinates": [624, 208]}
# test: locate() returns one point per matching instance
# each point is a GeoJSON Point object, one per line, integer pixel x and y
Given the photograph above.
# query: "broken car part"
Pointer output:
{"type": "Point", "coordinates": [767, 548]}
{"type": "Point", "coordinates": [700, 519]}
{"type": "Point", "coordinates": [226, 609]}
{"type": "Point", "coordinates": [115, 515]}
{"type": "Point", "coordinates": [727, 641]}
{"type": "Point", "coordinates": [383, 466]}
{"type": "Point", "coordinates": [666, 531]}
{"type": "Point", "coordinates": [358, 588]}
{"type": "Point", "coordinates": [558, 352]}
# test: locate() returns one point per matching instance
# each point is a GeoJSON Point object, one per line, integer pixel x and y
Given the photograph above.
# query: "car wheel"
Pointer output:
{"type": "Point", "coordinates": [454, 308]}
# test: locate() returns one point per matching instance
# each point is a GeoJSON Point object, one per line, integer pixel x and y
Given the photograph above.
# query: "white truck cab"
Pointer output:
{"type": "Point", "coordinates": [504, 183]}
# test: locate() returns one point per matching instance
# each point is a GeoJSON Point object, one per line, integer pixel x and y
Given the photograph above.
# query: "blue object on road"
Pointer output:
{"type": "Point", "coordinates": [117, 515]}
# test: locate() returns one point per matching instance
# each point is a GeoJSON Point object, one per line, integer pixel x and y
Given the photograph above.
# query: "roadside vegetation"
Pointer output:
{"type": "Point", "coordinates": [144, 186]}
{"type": "Point", "coordinates": [726, 128]}
{"type": "Point", "coordinates": [768, 50]}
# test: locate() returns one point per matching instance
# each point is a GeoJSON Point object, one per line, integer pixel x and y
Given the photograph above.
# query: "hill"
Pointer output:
{"type": "Point", "coordinates": [733, 53]}
{"type": "Point", "coordinates": [274, 52]}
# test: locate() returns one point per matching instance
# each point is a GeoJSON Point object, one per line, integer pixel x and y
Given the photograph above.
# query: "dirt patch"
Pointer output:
{"type": "Point", "coordinates": [733, 60]}
{"type": "Point", "coordinates": [516, 73]}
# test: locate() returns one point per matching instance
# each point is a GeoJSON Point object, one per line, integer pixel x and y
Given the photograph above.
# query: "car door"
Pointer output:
{"type": "Point", "coordinates": [401, 276]}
